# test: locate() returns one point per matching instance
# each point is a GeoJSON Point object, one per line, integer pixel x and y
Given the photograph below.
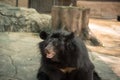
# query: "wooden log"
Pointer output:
{"type": "Point", "coordinates": [70, 18]}
{"type": "Point", "coordinates": [74, 19]}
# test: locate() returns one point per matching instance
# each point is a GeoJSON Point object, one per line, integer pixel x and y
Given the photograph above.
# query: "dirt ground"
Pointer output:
{"type": "Point", "coordinates": [108, 33]}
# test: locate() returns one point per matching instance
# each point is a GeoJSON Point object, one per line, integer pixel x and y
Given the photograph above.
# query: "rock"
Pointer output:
{"type": "Point", "coordinates": [7, 66]}
{"type": "Point", "coordinates": [22, 19]}
{"type": "Point", "coordinates": [19, 56]}
{"type": "Point", "coordinates": [8, 78]}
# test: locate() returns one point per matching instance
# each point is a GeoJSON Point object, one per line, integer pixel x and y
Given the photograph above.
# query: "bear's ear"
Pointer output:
{"type": "Point", "coordinates": [43, 35]}
{"type": "Point", "coordinates": [70, 36]}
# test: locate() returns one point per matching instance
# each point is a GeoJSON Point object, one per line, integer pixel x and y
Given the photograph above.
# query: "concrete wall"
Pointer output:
{"type": "Point", "coordinates": [21, 3]}
{"type": "Point", "coordinates": [99, 9]}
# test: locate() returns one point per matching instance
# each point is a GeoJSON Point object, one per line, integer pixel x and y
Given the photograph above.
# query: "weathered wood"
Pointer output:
{"type": "Point", "coordinates": [73, 19]}
{"type": "Point", "coordinates": [16, 3]}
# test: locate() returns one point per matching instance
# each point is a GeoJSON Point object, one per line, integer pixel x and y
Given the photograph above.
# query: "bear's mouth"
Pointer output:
{"type": "Point", "coordinates": [49, 54]}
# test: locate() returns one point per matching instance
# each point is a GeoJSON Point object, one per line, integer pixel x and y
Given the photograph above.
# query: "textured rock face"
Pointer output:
{"type": "Point", "coordinates": [22, 19]}
{"type": "Point", "coordinates": [19, 58]}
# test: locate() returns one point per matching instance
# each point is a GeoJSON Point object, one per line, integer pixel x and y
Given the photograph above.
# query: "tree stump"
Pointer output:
{"type": "Point", "coordinates": [73, 19]}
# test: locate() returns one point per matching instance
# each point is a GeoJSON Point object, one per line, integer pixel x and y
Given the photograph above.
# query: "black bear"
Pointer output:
{"type": "Point", "coordinates": [64, 57]}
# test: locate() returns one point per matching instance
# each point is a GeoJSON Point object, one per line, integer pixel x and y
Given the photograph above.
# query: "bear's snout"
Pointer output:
{"type": "Point", "coordinates": [49, 51]}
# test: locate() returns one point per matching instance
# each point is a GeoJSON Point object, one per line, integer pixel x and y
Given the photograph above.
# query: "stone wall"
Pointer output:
{"type": "Point", "coordinates": [100, 9]}
{"type": "Point", "coordinates": [22, 19]}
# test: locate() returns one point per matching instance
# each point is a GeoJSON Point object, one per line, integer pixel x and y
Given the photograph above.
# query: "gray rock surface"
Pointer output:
{"type": "Point", "coordinates": [18, 19]}
{"type": "Point", "coordinates": [19, 58]}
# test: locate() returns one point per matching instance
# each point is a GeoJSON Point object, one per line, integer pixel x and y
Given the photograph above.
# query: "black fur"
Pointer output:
{"type": "Point", "coordinates": [118, 18]}
{"type": "Point", "coordinates": [60, 50]}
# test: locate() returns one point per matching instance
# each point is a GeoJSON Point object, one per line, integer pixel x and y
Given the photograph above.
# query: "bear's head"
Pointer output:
{"type": "Point", "coordinates": [57, 46]}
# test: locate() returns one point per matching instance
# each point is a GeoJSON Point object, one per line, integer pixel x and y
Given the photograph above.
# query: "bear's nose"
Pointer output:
{"type": "Point", "coordinates": [47, 51]}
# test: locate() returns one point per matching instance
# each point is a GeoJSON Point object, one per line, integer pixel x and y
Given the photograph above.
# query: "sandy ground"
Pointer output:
{"type": "Point", "coordinates": [108, 33]}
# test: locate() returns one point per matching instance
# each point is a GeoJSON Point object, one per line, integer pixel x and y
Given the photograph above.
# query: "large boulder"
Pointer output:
{"type": "Point", "coordinates": [19, 19]}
